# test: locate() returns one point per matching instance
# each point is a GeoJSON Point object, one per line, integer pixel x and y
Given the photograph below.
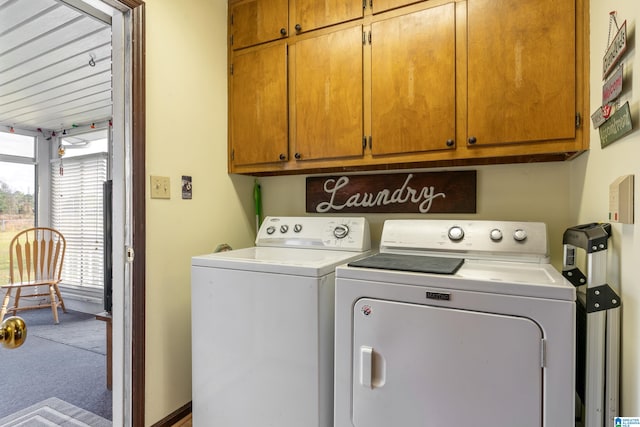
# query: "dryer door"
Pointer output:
{"type": "Point", "coordinates": [417, 365]}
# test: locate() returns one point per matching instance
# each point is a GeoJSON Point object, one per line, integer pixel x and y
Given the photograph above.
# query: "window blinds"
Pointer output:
{"type": "Point", "coordinates": [77, 212]}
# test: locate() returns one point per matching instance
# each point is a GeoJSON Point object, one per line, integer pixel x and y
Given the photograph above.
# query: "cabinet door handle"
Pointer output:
{"type": "Point", "coordinates": [298, 156]}
{"type": "Point", "coordinates": [298, 27]}
{"type": "Point", "coordinates": [472, 140]}
{"type": "Point", "coordinates": [450, 143]}
{"type": "Point", "coordinates": [283, 31]}
{"type": "Point", "coordinates": [283, 157]}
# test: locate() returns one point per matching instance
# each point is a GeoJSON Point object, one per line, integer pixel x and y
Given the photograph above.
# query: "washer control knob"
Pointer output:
{"type": "Point", "coordinates": [495, 235]}
{"type": "Point", "coordinates": [297, 228]}
{"type": "Point", "coordinates": [284, 228]}
{"type": "Point", "coordinates": [456, 233]}
{"type": "Point", "coordinates": [341, 231]}
{"type": "Point", "coordinates": [271, 229]}
{"type": "Point", "coordinates": [520, 235]}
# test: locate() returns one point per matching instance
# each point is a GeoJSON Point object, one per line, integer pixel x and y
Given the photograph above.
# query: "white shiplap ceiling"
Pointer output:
{"type": "Point", "coordinates": [55, 64]}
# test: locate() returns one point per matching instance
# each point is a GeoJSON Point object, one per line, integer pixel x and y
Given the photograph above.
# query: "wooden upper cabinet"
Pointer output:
{"type": "Point", "coordinates": [402, 82]}
{"type": "Point", "coordinates": [328, 95]}
{"type": "Point", "coordinates": [521, 71]}
{"type": "Point", "coordinates": [413, 82]}
{"type": "Point", "coordinates": [259, 113]}
{"type": "Point", "coordinates": [312, 14]}
{"type": "Point", "coordinates": [258, 21]}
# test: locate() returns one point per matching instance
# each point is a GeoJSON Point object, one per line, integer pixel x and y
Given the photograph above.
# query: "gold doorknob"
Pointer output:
{"type": "Point", "coordinates": [13, 332]}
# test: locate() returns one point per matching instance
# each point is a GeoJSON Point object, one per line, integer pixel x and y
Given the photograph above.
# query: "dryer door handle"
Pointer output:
{"type": "Point", "coordinates": [366, 366]}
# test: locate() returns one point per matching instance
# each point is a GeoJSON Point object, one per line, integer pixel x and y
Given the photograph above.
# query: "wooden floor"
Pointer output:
{"type": "Point", "coordinates": [185, 422]}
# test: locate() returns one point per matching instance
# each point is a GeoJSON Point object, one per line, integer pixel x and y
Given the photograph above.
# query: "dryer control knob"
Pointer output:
{"type": "Point", "coordinates": [271, 229]}
{"type": "Point", "coordinates": [456, 233]}
{"type": "Point", "coordinates": [297, 228]}
{"type": "Point", "coordinates": [520, 235]}
{"type": "Point", "coordinates": [341, 231]}
{"type": "Point", "coordinates": [495, 235]}
{"type": "Point", "coordinates": [284, 228]}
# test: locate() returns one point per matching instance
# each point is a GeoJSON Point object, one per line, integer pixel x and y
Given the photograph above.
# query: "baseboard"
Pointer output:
{"type": "Point", "coordinates": [175, 416]}
{"type": "Point", "coordinates": [84, 301]}
{"type": "Point", "coordinates": [82, 305]}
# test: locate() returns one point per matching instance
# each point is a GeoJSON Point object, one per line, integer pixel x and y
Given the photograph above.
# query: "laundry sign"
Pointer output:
{"type": "Point", "coordinates": [427, 192]}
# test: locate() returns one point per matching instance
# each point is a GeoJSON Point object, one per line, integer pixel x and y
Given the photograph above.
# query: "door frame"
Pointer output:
{"type": "Point", "coordinates": [138, 208]}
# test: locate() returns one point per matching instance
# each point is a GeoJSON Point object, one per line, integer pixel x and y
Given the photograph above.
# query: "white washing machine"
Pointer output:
{"type": "Point", "coordinates": [459, 323]}
{"type": "Point", "coordinates": [262, 324]}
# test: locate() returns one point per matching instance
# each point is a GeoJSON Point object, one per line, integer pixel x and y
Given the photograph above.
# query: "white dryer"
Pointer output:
{"type": "Point", "coordinates": [461, 323]}
{"type": "Point", "coordinates": [262, 324]}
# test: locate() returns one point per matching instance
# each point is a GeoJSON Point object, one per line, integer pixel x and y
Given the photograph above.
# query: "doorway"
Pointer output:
{"type": "Point", "coordinates": [128, 206]}
{"type": "Point", "coordinates": [129, 190]}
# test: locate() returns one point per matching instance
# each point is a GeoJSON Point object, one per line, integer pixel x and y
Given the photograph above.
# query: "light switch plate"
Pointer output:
{"type": "Point", "coordinates": [160, 187]}
{"type": "Point", "coordinates": [621, 200]}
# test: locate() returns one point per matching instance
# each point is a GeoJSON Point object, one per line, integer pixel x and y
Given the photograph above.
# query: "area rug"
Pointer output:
{"type": "Point", "coordinates": [54, 412]}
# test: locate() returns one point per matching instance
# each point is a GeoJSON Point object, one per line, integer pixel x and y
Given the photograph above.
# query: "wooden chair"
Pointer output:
{"type": "Point", "coordinates": [35, 262]}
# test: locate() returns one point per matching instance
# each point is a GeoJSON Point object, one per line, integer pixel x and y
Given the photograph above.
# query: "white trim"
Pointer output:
{"type": "Point", "coordinates": [122, 219]}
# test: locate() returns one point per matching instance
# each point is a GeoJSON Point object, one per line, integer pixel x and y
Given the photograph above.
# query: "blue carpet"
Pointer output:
{"type": "Point", "coordinates": [66, 361]}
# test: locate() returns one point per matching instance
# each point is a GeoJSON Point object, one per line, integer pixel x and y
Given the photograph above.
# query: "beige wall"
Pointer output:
{"type": "Point", "coordinates": [591, 176]}
{"type": "Point", "coordinates": [186, 135]}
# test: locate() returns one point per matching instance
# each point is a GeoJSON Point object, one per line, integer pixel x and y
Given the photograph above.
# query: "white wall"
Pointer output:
{"type": "Point", "coordinates": [186, 82]}
{"type": "Point", "coordinates": [590, 178]}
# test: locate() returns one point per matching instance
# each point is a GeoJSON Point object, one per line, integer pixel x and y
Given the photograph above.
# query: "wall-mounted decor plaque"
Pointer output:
{"type": "Point", "coordinates": [613, 86]}
{"type": "Point", "coordinates": [427, 192]}
{"type": "Point", "coordinates": [601, 115]}
{"type": "Point", "coordinates": [615, 50]}
{"type": "Point", "coordinates": [616, 126]}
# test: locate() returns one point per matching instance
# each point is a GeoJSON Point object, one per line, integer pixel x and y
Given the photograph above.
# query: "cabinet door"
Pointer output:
{"type": "Point", "coordinates": [328, 95]}
{"type": "Point", "coordinates": [258, 21]}
{"type": "Point", "coordinates": [413, 82]}
{"type": "Point", "coordinates": [521, 70]}
{"type": "Point", "coordinates": [383, 5]}
{"type": "Point", "coordinates": [311, 14]}
{"type": "Point", "coordinates": [259, 131]}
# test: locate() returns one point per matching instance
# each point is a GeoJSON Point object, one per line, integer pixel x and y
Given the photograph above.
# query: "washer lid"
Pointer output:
{"type": "Point", "coordinates": [297, 261]}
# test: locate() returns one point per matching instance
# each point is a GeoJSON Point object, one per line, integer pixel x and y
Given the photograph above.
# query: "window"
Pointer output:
{"type": "Point", "coordinates": [77, 207]}
{"type": "Point", "coordinates": [17, 191]}
{"type": "Point", "coordinates": [13, 144]}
